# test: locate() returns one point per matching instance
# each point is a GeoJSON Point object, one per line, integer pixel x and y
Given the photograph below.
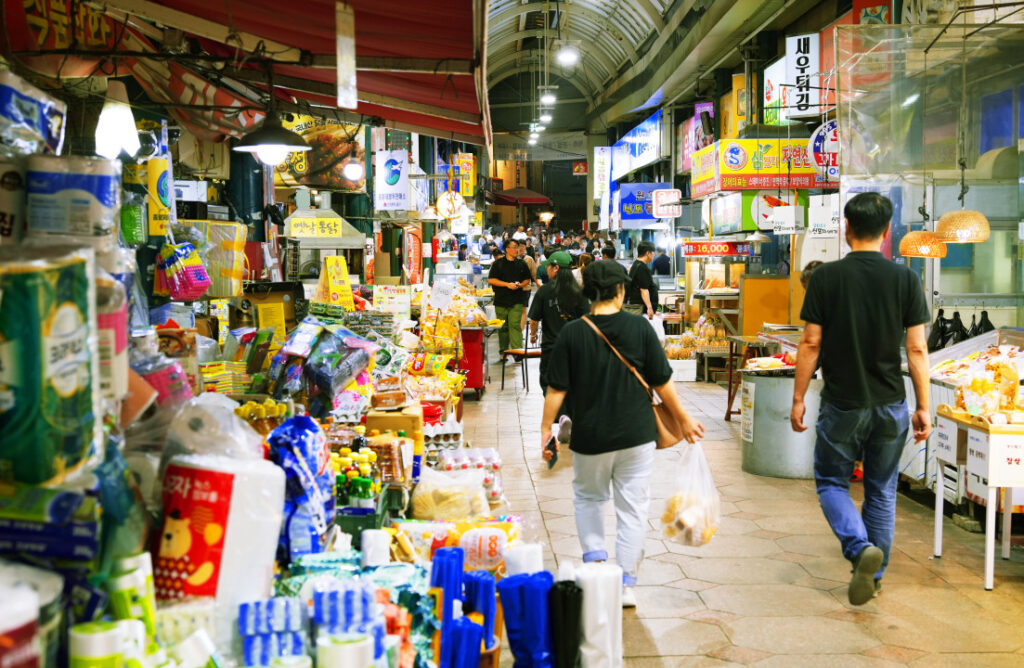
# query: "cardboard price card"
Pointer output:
{"type": "Point", "coordinates": [395, 299]}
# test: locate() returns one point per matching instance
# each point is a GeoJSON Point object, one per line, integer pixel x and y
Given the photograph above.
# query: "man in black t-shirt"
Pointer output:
{"type": "Point", "coordinates": [509, 276]}
{"type": "Point", "coordinates": [546, 310]}
{"type": "Point", "coordinates": [642, 297]}
{"type": "Point", "coordinates": [856, 312]}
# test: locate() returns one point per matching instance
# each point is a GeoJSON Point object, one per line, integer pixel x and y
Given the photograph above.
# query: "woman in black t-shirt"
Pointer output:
{"type": "Point", "coordinates": [614, 430]}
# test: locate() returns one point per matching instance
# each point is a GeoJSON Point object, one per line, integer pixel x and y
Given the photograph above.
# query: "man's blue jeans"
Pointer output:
{"type": "Point", "coordinates": [876, 437]}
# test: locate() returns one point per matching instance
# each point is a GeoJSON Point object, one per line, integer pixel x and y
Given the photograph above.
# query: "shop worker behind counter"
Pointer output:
{"type": "Point", "coordinates": [510, 276]}
{"type": "Point", "coordinates": [856, 312]}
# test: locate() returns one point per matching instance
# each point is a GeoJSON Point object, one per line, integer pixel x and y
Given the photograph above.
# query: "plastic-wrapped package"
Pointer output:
{"type": "Point", "coordinates": [30, 120]}
{"type": "Point", "coordinates": [333, 364]}
{"type": "Point", "coordinates": [693, 513]}
{"type": "Point", "coordinates": [50, 385]}
{"type": "Point", "coordinates": [207, 425]}
{"type": "Point", "coordinates": [300, 448]}
{"type": "Point", "coordinates": [453, 497]}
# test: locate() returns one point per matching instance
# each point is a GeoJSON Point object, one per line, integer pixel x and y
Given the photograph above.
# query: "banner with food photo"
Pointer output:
{"type": "Point", "coordinates": [334, 146]}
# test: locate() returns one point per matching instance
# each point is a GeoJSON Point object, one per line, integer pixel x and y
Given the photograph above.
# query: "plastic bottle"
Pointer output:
{"type": "Point", "coordinates": [360, 439]}
{"type": "Point", "coordinates": [417, 455]}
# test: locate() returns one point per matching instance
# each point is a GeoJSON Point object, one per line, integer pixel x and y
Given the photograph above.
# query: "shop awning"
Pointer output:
{"type": "Point", "coordinates": [516, 197]}
{"type": "Point", "coordinates": [420, 66]}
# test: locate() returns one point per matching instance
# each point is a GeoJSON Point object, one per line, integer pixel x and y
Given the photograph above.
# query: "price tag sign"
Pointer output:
{"type": "Point", "coordinates": [1006, 465]}
{"type": "Point", "coordinates": [977, 453]}
{"type": "Point", "coordinates": [441, 294]}
{"type": "Point", "coordinates": [945, 441]}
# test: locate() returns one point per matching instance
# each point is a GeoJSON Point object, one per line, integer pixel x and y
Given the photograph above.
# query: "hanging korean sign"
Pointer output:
{"type": "Point", "coordinates": [823, 149]}
{"type": "Point", "coordinates": [636, 201]}
{"type": "Point", "coordinates": [753, 164]}
{"type": "Point", "coordinates": [391, 181]}
{"type": "Point", "coordinates": [777, 96]}
{"type": "Point", "coordinates": [602, 170]}
{"type": "Point", "coordinates": [334, 147]}
{"type": "Point", "coordinates": [802, 61]}
{"type": "Point", "coordinates": [692, 137]}
{"type": "Point", "coordinates": [714, 248]}
{"type": "Point", "coordinates": [639, 147]}
{"type": "Point", "coordinates": [466, 162]}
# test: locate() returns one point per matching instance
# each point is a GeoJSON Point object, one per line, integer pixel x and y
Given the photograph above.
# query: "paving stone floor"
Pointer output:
{"type": "Point", "coordinates": [770, 588]}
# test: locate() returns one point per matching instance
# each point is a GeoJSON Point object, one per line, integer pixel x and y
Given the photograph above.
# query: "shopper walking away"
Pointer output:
{"type": "Point", "coordinates": [608, 253]}
{"type": "Point", "coordinates": [509, 276]}
{"type": "Point", "coordinates": [609, 452]}
{"type": "Point", "coordinates": [662, 265]}
{"type": "Point", "coordinates": [557, 302]}
{"type": "Point", "coordinates": [856, 312]}
{"type": "Point", "coordinates": [643, 293]}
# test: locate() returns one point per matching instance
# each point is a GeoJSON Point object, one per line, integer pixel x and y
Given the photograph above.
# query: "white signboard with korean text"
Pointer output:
{"type": "Point", "coordinates": [788, 219]}
{"type": "Point", "coordinates": [391, 181]}
{"type": "Point", "coordinates": [667, 203]}
{"type": "Point", "coordinates": [945, 442]}
{"type": "Point", "coordinates": [802, 63]}
{"type": "Point", "coordinates": [602, 171]}
{"type": "Point", "coordinates": [823, 216]}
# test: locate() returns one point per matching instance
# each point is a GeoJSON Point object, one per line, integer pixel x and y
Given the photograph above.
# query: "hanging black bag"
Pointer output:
{"type": "Point", "coordinates": [938, 329]}
{"type": "Point", "coordinates": [973, 331]}
{"type": "Point", "coordinates": [957, 332]}
{"type": "Point", "coordinates": [984, 324]}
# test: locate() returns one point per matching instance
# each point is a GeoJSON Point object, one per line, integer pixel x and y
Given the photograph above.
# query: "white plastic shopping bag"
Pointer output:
{"type": "Point", "coordinates": [658, 324]}
{"type": "Point", "coordinates": [693, 513]}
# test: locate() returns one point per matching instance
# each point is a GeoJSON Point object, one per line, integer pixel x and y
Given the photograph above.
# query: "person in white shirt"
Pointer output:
{"type": "Point", "coordinates": [520, 234]}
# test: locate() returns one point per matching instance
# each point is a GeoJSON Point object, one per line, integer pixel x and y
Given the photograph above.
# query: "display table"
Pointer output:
{"type": "Point", "coordinates": [740, 349]}
{"type": "Point", "coordinates": [770, 446]}
{"type": "Point", "coordinates": [993, 452]}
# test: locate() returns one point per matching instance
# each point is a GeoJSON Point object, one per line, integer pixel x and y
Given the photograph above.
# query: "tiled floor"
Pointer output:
{"type": "Point", "coordinates": [770, 588]}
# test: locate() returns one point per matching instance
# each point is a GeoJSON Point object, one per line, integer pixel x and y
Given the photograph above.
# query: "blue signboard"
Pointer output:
{"type": "Point", "coordinates": [638, 147]}
{"type": "Point", "coordinates": [635, 201]}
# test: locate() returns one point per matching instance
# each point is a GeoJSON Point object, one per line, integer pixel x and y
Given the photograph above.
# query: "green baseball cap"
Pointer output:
{"type": "Point", "coordinates": [559, 259]}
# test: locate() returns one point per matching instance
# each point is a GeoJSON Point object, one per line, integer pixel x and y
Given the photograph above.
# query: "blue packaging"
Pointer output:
{"type": "Point", "coordinates": [273, 615]}
{"type": "Point", "coordinates": [300, 448]}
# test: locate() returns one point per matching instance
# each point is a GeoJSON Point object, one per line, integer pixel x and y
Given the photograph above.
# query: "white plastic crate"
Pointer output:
{"type": "Point", "coordinates": [683, 371]}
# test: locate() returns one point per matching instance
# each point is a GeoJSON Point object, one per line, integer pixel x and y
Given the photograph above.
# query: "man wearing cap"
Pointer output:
{"type": "Point", "coordinates": [599, 391]}
{"type": "Point", "coordinates": [557, 302]}
{"type": "Point", "coordinates": [509, 276]}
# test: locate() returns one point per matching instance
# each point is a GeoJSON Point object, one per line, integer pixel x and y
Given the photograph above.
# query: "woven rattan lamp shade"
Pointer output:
{"type": "Point", "coordinates": [922, 244]}
{"type": "Point", "coordinates": [963, 226]}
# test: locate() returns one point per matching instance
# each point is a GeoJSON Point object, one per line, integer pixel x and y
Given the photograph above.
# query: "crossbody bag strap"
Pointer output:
{"type": "Point", "coordinates": [647, 388]}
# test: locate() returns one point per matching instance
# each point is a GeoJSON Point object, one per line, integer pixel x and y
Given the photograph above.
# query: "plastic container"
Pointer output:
{"type": "Point", "coordinates": [19, 627]}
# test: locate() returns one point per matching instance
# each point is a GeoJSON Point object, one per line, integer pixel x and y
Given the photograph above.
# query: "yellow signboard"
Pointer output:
{"type": "Point", "coordinates": [314, 228]}
{"type": "Point", "coordinates": [466, 163]}
{"type": "Point", "coordinates": [753, 164]}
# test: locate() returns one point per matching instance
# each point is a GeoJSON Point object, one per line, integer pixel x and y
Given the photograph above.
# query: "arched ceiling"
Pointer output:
{"type": "Point", "coordinates": [608, 33]}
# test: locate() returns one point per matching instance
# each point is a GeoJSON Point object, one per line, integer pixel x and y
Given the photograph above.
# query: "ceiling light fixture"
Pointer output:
{"type": "Point", "coordinates": [921, 243]}
{"type": "Point", "coordinates": [567, 56]}
{"type": "Point", "coordinates": [116, 131]}
{"type": "Point", "coordinates": [548, 99]}
{"type": "Point", "coordinates": [532, 141]}
{"type": "Point", "coordinates": [271, 142]}
{"type": "Point", "coordinates": [541, 128]}
{"type": "Point", "coordinates": [545, 117]}
{"type": "Point", "coordinates": [534, 135]}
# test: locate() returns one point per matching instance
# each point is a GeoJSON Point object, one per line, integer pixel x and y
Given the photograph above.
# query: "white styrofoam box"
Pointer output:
{"type": "Point", "coordinates": [684, 371]}
{"type": "Point", "coordinates": [190, 191]}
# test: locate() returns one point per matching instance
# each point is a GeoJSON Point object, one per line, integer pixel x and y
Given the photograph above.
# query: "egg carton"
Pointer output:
{"type": "Point", "coordinates": [348, 419]}
{"type": "Point", "coordinates": [447, 434]}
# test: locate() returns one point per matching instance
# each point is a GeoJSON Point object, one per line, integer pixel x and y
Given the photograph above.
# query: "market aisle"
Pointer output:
{"type": "Point", "coordinates": [770, 588]}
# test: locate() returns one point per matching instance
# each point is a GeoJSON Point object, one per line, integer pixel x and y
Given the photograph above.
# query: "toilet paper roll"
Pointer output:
{"type": "Point", "coordinates": [376, 545]}
{"type": "Point", "coordinates": [196, 651]}
{"type": "Point", "coordinates": [601, 641]}
{"type": "Point", "coordinates": [524, 558]}
{"type": "Point", "coordinates": [141, 561]}
{"type": "Point", "coordinates": [344, 650]}
{"type": "Point", "coordinates": [133, 638]}
{"type": "Point", "coordinates": [131, 598]}
{"type": "Point", "coordinates": [95, 644]}
{"type": "Point", "coordinates": [222, 521]}
{"type": "Point", "coordinates": [72, 195]}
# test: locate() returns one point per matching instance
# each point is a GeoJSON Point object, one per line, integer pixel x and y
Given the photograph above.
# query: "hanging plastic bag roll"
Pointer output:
{"type": "Point", "coordinates": [222, 520]}
{"type": "Point", "coordinates": [524, 558]}
{"type": "Point", "coordinates": [601, 637]}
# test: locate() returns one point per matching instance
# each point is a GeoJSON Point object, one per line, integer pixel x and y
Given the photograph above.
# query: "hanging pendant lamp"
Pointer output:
{"type": "Point", "coordinates": [964, 226]}
{"type": "Point", "coordinates": [922, 244]}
